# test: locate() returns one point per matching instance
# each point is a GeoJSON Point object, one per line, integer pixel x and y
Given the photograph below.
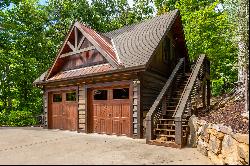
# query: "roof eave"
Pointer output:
{"type": "Point", "coordinates": [119, 70]}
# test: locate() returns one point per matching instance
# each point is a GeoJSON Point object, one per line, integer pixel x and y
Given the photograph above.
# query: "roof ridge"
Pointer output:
{"type": "Point", "coordinates": [99, 33]}
{"type": "Point", "coordinates": [143, 21]}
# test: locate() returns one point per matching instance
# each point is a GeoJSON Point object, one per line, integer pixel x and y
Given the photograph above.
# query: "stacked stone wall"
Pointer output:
{"type": "Point", "coordinates": [219, 143]}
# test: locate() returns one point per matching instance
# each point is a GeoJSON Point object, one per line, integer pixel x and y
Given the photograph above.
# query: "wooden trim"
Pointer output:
{"type": "Point", "coordinates": [77, 116]}
{"type": "Point", "coordinates": [62, 88]}
{"type": "Point", "coordinates": [131, 108]}
{"type": "Point", "coordinates": [110, 60]}
{"type": "Point", "coordinates": [71, 46]}
{"type": "Point", "coordinates": [59, 52]}
{"type": "Point", "coordinates": [76, 38]}
{"type": "Point", "coordinates": [86, 108]}
{"type": "Point", "coordinates": [139, 112]}
{"type": "Point", "coordinates": [80, 43]}
{"type": "Point", "coordinates": [45, 118]}
{"type": "Point", "coordinates": [108, 84]}
{"type": "Point", "coordinates": [77, 51]}
{"type": "Point", "coordinates": [89, 76]}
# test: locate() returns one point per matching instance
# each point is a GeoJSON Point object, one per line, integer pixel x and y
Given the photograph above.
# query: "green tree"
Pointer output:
{"type": "Point", "coordinates": [26, 52]}
{"type": "Point", "coordinates": [208, 30]}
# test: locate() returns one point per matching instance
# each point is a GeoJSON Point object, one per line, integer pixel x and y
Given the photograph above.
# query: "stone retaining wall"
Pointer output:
{"type": "Point", "coordinates": [219, 143]}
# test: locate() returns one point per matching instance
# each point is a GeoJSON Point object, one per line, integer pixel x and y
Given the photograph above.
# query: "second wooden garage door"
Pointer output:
{"type": "Point", "coordinates": [110, 111]}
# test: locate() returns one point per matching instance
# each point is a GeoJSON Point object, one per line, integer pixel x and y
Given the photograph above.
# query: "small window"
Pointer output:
{"type": "Point", "coordinates": [57, 97]}
{"type": "Point", "coordinates": [121, 93]}
{"type": "Point", "coordinates": [71, 96]}
{"type": "Point", "coordinates": [100, 94]}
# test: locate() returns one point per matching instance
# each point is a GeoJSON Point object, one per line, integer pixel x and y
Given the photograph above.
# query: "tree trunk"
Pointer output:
{"type": "Point", "coordinates": [243, 55]}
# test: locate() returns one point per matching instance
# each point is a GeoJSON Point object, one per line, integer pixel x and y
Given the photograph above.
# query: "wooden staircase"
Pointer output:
{"type": "Point", "coordinates": [167, 119]}
{"type": "Point", "coordinates": [165, 129]}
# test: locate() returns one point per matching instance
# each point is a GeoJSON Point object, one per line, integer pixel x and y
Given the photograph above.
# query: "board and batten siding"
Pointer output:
{"type": "Point", "coordinates": [82, 108]}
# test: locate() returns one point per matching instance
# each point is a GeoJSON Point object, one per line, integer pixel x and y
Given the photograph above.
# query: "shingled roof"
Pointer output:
{"type": "Point", "coordinates": [136, 43]}
{"type": "Point", "coordinates": [130, 46]}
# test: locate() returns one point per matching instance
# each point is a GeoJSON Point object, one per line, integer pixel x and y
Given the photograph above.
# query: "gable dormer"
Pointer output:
{"type": "Point", "coordinates": [83, 47]}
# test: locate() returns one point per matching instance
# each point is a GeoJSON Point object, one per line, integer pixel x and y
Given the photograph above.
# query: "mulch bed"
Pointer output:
{"type": "Point", "coordinates": [229, 115]}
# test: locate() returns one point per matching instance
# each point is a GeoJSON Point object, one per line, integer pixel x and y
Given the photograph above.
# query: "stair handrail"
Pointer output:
{"type": "Point", "coordinates": [188, 88]}
{"type": "Point", "coordinates": [157, 102]}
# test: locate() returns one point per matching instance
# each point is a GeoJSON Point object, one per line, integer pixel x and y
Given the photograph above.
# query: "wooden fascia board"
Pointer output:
{"type": "Point", "coordinates": [109, 59]}
{"type": "Point", "coordinates": [59, 52]}
{"type": "Point", "coordinates": [131, 69]}
{"type": "Point", "coordinates": [167, 30]}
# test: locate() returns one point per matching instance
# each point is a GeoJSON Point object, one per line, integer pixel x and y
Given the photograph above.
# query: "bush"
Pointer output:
{"type": "Point", "coordinates": [17, 118]}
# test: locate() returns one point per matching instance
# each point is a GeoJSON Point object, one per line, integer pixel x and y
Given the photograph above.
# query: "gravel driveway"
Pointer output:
{"type": "Point", "coordinates": [41, 146]}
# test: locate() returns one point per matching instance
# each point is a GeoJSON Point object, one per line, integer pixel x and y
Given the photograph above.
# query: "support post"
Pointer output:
{"type": "Point", "coordinates": [149, 129]}
{"type": "Point", "coordinates": [178, 132]}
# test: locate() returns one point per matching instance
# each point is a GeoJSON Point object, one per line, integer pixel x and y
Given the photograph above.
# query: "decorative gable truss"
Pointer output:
{"type": "Point", "coordinates": [81, 45]}
{"type": "Point", "coordinates": [75, 44]}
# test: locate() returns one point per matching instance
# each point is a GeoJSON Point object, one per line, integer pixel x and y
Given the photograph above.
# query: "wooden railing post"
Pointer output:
{"type": "Point", "coordinates": [149, 129]}
{"type": "Point", "coordinates": [178, 132]}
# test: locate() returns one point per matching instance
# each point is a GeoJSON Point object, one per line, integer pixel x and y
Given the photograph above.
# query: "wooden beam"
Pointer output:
{"type": "Point", "coordinates": [77, 51]}
{"type": "Point", "coordinates": [80, 43]}
{"type": "Point", "coordinates": [71, 46]}
{"type": "Point", "coordinates": [76, 38]}
{"type": "Point", "coordinates": [109, 59]}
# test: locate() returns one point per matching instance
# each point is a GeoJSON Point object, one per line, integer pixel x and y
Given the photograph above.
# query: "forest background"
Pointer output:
{"type": "Point", "coordinates": [31, 32]}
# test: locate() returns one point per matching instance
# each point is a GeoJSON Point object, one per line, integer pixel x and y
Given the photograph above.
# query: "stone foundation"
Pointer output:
{"type": "Point", "coordinates": [219, 143]}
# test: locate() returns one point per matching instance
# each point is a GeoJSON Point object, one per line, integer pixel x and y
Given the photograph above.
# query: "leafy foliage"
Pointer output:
{"type": "Point", "coordinates": [31, 34]}
{"type": "Point", "coordinates": [17, 118]}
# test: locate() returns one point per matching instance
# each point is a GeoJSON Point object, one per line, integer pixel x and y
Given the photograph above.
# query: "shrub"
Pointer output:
{"type": "Point", "coordinates": [17, 118]}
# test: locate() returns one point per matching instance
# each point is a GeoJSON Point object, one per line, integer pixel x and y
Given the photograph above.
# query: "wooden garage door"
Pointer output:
{"type": "Point", "coordinates": [63, 110]}
{"type": "Point", "coordinates": [110, 111]}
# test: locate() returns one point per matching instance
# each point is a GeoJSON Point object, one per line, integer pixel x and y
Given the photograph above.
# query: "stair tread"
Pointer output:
{"type": "Point", "coordinates": [168, 129]}
{"type": "Point", "coordinates": [172, 124]}
{"type": "Point", "coordinates": [171, 106]}
{"type": "Point", "coordinates": [183, 120]}
{"type": "Point", "coordinates": [165, 135]}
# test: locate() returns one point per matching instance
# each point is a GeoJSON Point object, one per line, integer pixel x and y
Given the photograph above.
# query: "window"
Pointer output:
{"type": "Point", "coordinates": [122, 93]}
{"type": "Point", "coordinates": [100, 94]}
{"type": "Point", "coordinates": [57, 97]}
{"type": "Point", "coordinates": [71, 96]}
{"type": "Point", "coordinates": [167, 50]}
